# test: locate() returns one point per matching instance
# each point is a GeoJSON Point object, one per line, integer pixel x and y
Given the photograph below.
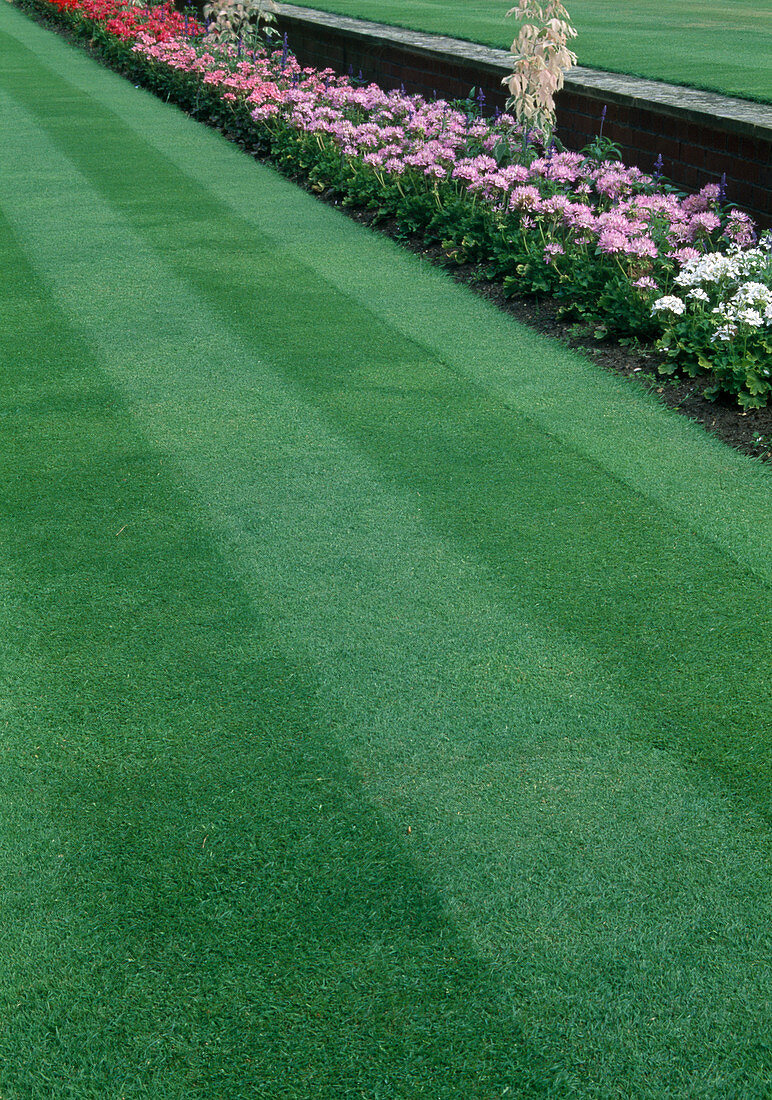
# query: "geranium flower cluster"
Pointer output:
{"type": "Point", "coordinates": [719, 318]}
{"type": "Point", "coordinates": [607, 239]}
{"type": "Point", "coordinates": [126, 21]}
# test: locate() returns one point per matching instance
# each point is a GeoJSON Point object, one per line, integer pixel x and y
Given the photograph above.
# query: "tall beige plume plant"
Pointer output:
{"type": "Point", "coordinates": [542, 59]}
{"type": "Point", "coordinates": [233, 21]}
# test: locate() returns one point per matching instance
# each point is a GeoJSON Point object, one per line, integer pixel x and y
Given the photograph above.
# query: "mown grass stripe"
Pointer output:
{"type": "Point", "coordinates": [728, 502]}
{"type": "Point", "coordinates": [197, 897]}
{"type": "Point", "coordinates": [593, 870]}
{"type": "Point", "coordinates": [564, 537]}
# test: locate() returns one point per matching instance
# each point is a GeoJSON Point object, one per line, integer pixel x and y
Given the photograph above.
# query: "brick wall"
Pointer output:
{"type": "Point", "coordinates": [699, 135]}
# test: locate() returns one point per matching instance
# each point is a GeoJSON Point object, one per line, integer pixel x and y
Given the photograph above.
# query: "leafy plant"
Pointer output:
{"type": "Point", "coordinates": [231, 22]}
{"type": "Point", "coordinates": [542, 58]}
{"type": "Point", "coordinates": [720, 322]}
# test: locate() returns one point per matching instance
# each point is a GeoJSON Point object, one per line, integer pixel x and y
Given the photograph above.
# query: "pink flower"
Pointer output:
{"type": "Point", "coordinates": [681, 255]}
{"type": "Point", "coordinates": [612, 240]}
{"type": "Point", "coordinates": [706, 221]}
{"type": "Point", "coordinates": [642, 246]}
{"type": "Point", "coordinates": [645, 283]}
{"type": "Point", "coordinates": [695, 204]}
{"type": "Point", "coordinates": [740, 229]}
{"type": "Point", "coordinates": [524, 198]}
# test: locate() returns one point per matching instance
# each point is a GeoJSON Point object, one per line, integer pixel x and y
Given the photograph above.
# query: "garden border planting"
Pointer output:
{"type": "Point", "coordinates": [715, 134]}
{"type": "Point", "coordinates": [617, 247]}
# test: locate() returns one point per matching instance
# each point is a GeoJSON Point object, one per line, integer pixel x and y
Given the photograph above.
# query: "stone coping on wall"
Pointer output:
{"type": "Point", "coordinates": [688, 104]}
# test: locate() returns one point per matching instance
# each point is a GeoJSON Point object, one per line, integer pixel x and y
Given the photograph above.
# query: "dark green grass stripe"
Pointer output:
{"type": "Point", "coordinates": [593, 872]}
{"type": "Point", "coordinates": [728, 501]}
{"type": "Point", "coordinates": [673, 620]}
{"type": "Point", "coordinates": [197, 900]}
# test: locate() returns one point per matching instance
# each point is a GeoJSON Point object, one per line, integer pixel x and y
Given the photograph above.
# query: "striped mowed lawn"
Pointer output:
{"type": "Point", "coordinates": [385, 694]}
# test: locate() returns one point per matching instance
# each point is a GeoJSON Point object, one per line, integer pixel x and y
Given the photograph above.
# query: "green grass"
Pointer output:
{"type": "Point", "coordinates": [385, 688]}
{"type": "Point", "coordinates": [720, 45]}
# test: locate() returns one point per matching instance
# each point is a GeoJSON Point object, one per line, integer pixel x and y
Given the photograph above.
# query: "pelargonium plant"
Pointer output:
{"type": "Point", "coordinates": [719, 320]}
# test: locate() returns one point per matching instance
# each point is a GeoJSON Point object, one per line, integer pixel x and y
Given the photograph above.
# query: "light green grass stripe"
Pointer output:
{"type": "Point", "coordinates": [494, 804]}
{"type": "Point", "coordinates": [726, 496]}
{"type": "Point", "coordinates": [197, 895]}
{"type": "Point", "coordinates": [575, 523]}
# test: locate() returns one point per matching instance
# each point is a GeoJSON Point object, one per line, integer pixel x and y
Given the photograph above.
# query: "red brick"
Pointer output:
{"type": "Point", "coordinates": [741, 193]}
{"type": "Point", "coordinates": [762, 199]}
{"type": "Point", "coordinates": [748, 171]}
{"type": "Point", "coordinates": [648, 142]}
{"type": "Point", "coordinates": [645, 120]}
{"type": "Point", "coordinates": [749, 148]}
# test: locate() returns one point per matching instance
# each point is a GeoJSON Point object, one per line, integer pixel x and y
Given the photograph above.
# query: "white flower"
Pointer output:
{"type": "Point", "coordinates": [726, 332]}
{"type": "Point", "coordinates": [710, 268]}
{"type": "Point", "coordinates": [756, 294]}
{"type": "Point", "coordinates": [669, 303]}
{"type": "Point", "coordinates": [698, 295]}
{"type": "Point", "coordinates": [750, 317]}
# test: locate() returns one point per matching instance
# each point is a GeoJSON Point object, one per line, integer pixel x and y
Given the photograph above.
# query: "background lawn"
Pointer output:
{"type": "Point", "coordinates": [721, 45]}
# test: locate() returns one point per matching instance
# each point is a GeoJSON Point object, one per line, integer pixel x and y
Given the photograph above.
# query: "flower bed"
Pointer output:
{"type": "Point", "coordinates": [613, 244]}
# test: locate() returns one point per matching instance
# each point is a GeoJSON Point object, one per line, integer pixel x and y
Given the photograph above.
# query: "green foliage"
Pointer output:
{"type": "Point", "coordinates": [232, 22]}
{"type": "Point", "coordinates": [601, 149]}
{"type": "Point", "coordinates": [721, 324]}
